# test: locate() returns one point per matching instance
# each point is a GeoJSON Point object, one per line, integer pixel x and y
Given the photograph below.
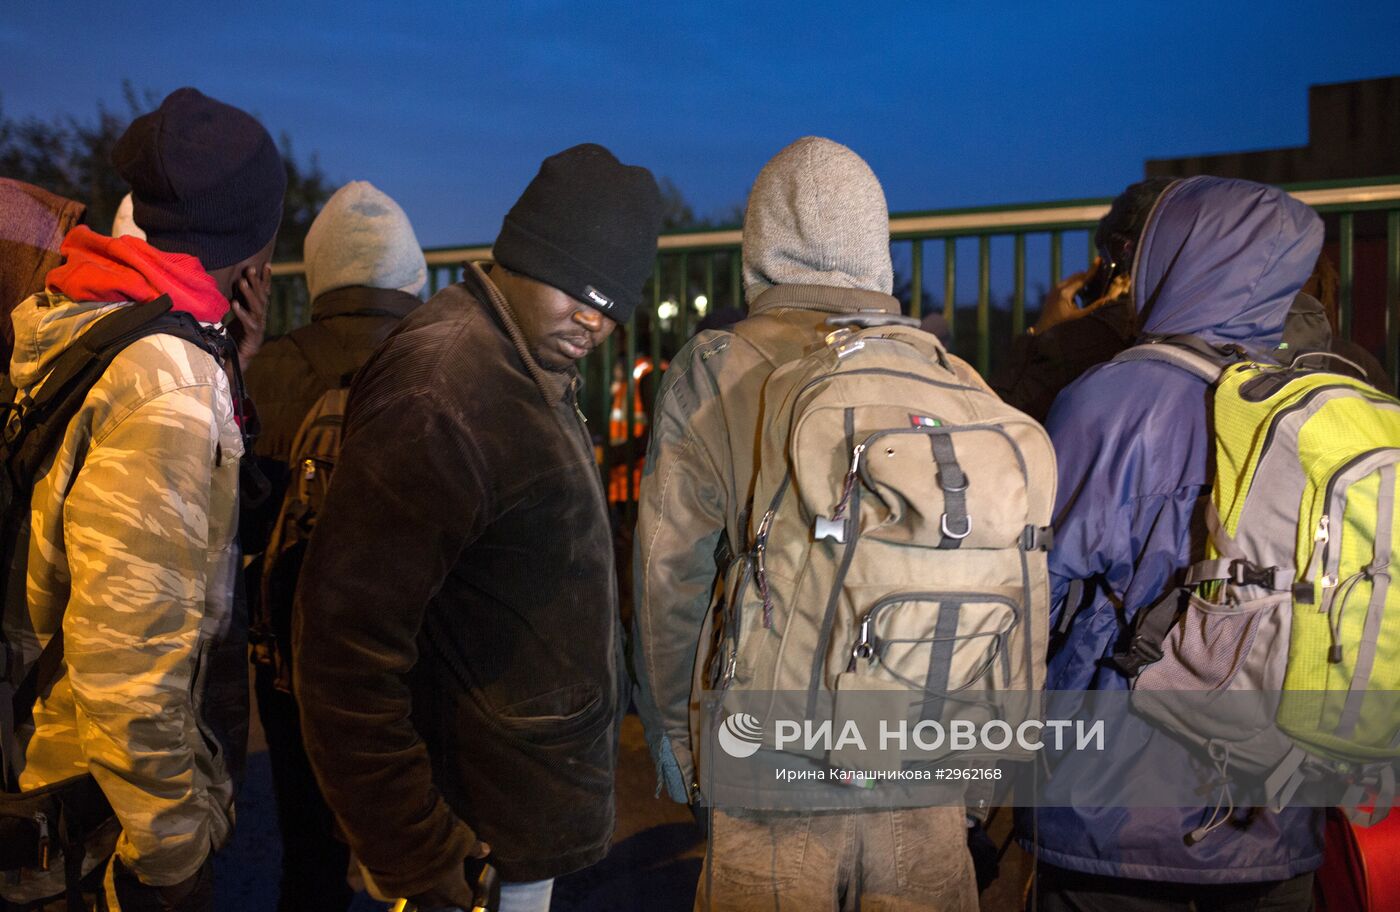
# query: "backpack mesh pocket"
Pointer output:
{"type": "Point", "coordinates": [1218, 646]}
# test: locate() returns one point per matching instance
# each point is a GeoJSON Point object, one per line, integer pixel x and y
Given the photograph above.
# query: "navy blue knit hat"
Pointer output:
{"type": "Point", "coordinates": [206, 178]}
{"type": "Point", "coordinates": [587, 225]}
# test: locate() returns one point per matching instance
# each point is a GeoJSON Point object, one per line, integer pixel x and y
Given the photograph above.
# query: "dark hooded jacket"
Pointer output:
{"type": "Point", "coordinates": [283, 386]}
{"type": "Point", "coordinates": [456, 639]}
{"type": "Point", "coordinates": [1042, 364]}
{"type": "Point", "coordinates": [282, 383]}
{"type": "Point", "coordinates": [1221, 259]}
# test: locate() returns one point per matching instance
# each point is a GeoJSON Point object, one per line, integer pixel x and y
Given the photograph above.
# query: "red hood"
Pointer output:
{"type": "Point", "coordinates": [99, 268]}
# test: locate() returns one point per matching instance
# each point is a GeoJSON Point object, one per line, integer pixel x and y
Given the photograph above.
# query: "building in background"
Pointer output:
{"type": "Point", "coordinates": [1353, 134]}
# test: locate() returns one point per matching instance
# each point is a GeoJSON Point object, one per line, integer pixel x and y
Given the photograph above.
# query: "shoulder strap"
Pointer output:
{"type": "Point", "coordinates": [1190, 353]}
{"type": "Point", "coordinates": [43, 416]}
{"type": "Point", "coordinates": [1329, 361]}
{"type": "Point", "coordinates": [324, 351]}
{"type": "Point", "coordinates": [1149, 631]}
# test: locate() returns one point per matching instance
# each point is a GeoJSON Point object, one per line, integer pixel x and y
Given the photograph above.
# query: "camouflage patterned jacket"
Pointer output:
{"type": "Point", "coordinates": [132, 553]}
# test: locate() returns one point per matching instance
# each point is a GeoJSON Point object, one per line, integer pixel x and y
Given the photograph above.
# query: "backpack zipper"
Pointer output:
{"type": "Point", "coordinates": [1331, 583]}
{"type": "Point", "coordinates": [1329, 493]}
{"type": "Point", "coordinates": [1304, 400]}
{"type": "Point", "coordinates": [865, 640]}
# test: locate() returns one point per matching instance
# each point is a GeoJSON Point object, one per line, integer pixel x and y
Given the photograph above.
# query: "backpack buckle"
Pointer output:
{"type": "Point", "coordinates": [1243, 573]}
{"type": "Point", "coordinates": [1139, 654]}
{"type": "Point", "coordinates": [1146, 650]}
{"type": "Point", "coordinates": [834, 529]}
{"type": "Point", "coordinates": [1037, 538]}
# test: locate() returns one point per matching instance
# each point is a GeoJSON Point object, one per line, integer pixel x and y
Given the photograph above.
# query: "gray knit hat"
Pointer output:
{"type": "Point", "coordinates": [362, 237]}
{"type": "Point", "coordinates": [817, 216]}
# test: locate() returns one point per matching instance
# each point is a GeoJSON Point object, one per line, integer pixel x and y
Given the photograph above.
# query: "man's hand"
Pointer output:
{"type": "Point", "coordinates": [1059, 306]}
{"type": "Point", "coordinates": [252, 292]}
{"type": "Point", "coordinates": [453, 890]}
{"type": "Point", "coordinates": [193, 894]}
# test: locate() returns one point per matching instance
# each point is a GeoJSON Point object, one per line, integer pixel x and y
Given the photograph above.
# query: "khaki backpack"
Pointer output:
{"type": "Point", "coordinates": [898, 530]}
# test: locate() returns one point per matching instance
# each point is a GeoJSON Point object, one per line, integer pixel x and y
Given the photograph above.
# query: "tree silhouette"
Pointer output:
{"type": "Point", "coordinates": [71, 156]}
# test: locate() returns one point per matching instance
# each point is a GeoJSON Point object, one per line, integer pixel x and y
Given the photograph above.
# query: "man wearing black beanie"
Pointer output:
{"type": "Point", "coordinates": [456, 645]}
{"type": "Point", "coordinates": [132, 554]}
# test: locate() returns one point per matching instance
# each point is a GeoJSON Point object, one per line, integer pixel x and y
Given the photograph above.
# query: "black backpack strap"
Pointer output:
{"type": "Point", "coordinates": [327, 356]}
{"type": "Point", "coordinates": [1074, 600]}
{"type": "Point", "coordinates": [17, 698]}
{"type": "Point", "coordinates": [78, 361]}
{"type": "Point", "coordinates": [43, 416]}
{"type": "Point", "coordinates": [1149, 631]}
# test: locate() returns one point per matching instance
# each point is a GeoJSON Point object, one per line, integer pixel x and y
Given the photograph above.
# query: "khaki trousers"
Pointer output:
{"type": "Point", "coordinates": [838, 861]}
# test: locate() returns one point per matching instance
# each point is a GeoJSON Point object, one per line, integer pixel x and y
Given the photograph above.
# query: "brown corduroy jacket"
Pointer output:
{"type": "Point", "coordinates": [456, 639]}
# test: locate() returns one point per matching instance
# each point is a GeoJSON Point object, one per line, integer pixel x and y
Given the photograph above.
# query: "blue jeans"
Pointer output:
{"type": "Point", "coordinates": [527, 897]}
{"type": "Point", "coordinates": [533, 896]}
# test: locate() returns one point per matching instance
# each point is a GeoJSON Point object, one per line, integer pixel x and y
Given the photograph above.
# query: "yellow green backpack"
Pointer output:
{"type": "Point", "coordinates": [1286, 637]}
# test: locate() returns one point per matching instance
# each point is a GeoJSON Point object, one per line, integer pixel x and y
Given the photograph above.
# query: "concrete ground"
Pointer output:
{"type": "Point", "coordinates": [653, 867]}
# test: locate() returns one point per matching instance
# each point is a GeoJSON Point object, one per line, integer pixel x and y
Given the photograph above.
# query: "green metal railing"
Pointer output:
{"type": "Point", "coordinates": [699, 271]}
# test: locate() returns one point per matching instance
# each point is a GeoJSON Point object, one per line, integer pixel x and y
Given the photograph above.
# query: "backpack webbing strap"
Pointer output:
{"type": "Point", "coordinates": [17, 701]}
{"type": "Point", "coordinates": [73, 371]}
{"type": "Point", "coordinates": [1234, 566]}
{"type": "Point", "coordinates": [1240, 572]}
{"type": "Point", "coordinates": [9, 744]}
{"type": "Point", "coordinates": [940, 665]}
{"type": "Point", "coordinates": [833, 601]}
{"type": "Point", "coordinates": [956, 523]}
{"type": "Point", "coordinates": [1150, 629]}
{"type": "Point", "coordinates": [1380, 805]}
{"type": "Point", "coordinates": [1189, 361]}
{"type": "Point", "coordinates": [122, 322]}
{"type": "Point", "coordinates": [1283, 780]}
{"type": "Point", "coordinates": [1379, 574]}
{"type": "Point", "coordinates": [1192, 354]}
{"type": "Point", "coordinates": [82, 365]}
{"type": "Point", "coordinates": [324, 351]}
{"type": "Point", "coordinates": [1074, 600]}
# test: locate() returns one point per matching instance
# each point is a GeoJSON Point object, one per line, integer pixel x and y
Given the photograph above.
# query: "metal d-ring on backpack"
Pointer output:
{"type": "Point", "coordinates": [1296, 599]}
{"type": "Point", "coordinates": [37, 825]}
{"type": "Point", "coordinates": [900, 519]}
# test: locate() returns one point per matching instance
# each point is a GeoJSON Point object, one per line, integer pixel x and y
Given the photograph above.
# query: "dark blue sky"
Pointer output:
{"type": "Point", "coordinates": [449, 107]}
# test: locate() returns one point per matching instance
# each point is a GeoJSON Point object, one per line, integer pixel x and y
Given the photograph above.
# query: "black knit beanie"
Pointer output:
{"type": "Point", "coordinates": [205, 178]}
{"type": "Point", "coordinates": [587, 225]}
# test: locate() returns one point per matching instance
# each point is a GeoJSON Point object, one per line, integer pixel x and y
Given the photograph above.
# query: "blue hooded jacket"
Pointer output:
{"type": "Point", "coordinates": [1221, 259]}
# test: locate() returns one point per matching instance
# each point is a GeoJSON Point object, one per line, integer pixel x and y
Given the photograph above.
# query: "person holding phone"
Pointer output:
{"type": "Point", "coordinates": [1088, 317]}
{"type": "Point", "coordinates": [130, 577]}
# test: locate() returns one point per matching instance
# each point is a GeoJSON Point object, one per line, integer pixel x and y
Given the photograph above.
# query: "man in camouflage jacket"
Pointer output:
{"type": "Point", "coordinates": [131, 553]}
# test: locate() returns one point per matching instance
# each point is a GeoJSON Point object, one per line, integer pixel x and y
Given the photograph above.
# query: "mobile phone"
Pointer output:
{"type": "Point", "coordinates": [1098, 283]}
